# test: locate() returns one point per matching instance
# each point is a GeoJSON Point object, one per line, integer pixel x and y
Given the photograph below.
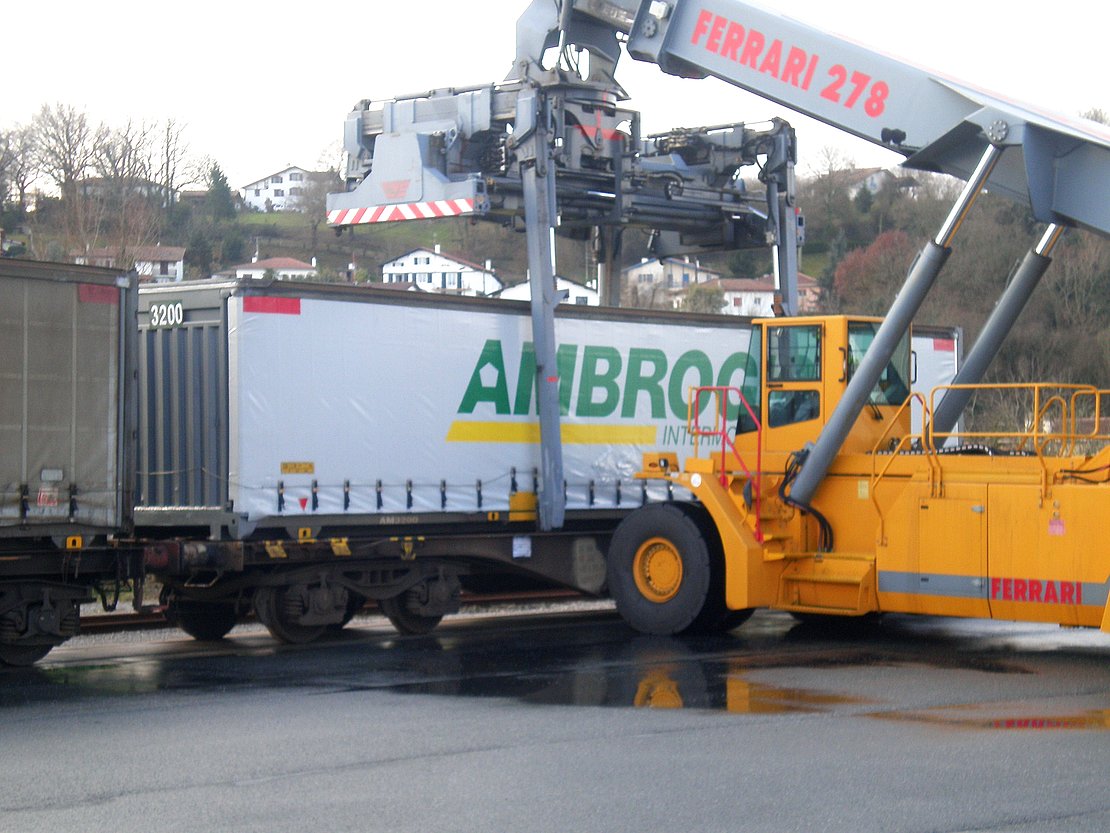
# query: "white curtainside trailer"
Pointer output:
{"type": "Point", "coordinates": [292, 426]}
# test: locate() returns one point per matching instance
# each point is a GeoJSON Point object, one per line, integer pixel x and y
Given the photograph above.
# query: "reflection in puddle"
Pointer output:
{"type": "Point", "coordinates": [1092, 720]}
{"type": "Point", "coordinates": [659, 688]}
{"type": "Point", "coordinates": [108, 679]}
{"type": "Point", "coordinates": [651, 674]}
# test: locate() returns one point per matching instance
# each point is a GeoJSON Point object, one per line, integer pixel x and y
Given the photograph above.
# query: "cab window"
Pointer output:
{"type": "Point", "coordinates": [787, 407]}
{"type": "Point", "coordinates": [893, 385]}
{"type": "Point", "coordinates": [752, 384]}
{"type": "Point", "coordinates": [794, 354]}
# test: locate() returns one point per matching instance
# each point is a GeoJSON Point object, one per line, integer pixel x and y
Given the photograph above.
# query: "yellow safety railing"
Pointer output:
{"type": "Point", "coordinates": [1055, 416]}
{"type": "Point", "coordinates": [719, 430]}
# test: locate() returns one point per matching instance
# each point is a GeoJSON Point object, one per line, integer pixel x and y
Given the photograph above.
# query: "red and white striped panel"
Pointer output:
{"type": "Point", "coordinates": [400, 211]}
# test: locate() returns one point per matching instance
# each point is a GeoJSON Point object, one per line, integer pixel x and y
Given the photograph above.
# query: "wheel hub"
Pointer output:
{"type": "Point", "coordinates": [657, 569]}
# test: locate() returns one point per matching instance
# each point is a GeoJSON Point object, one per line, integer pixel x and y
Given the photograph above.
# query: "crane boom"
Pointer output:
{"type": "Point", "coordinates": [938, 123]}
{"type": "Point", "coordinates": [1059, 167]}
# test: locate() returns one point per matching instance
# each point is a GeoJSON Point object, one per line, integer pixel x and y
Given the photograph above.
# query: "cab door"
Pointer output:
{"type": "Point", "coordinates": [793, 404]}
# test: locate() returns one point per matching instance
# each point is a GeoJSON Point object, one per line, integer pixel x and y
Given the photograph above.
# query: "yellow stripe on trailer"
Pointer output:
{"type": "Point", "coordinates": [529, 433]}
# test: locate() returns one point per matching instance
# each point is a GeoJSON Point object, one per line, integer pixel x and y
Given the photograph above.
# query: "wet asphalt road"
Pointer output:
{"type": "Point", "coordinates": [569, 723]}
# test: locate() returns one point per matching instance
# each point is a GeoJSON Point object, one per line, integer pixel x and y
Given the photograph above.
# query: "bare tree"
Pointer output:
{"type": "Point", "coordinates": [198, 170]}
{"type": "Point", "coordinates": [66, 145]}
{"type": "Point", "coordinates": [318, 184]}
{"type": "Point", "coordinates": [23, 167]}
{"type": "Point", "coordinates": [172, 152]}
{"type": "Point", "coordinates": [124, 154]}
{"type": "Point", "coordinates": [5, 168]}
{"type": "Point", "coordinates": [1096, 114]}
{"type": "Point", "coordinates": [125, 207]}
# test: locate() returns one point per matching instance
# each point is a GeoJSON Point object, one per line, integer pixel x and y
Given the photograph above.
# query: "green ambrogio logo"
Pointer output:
{"type": "Point", "coordinates": [606, 382]}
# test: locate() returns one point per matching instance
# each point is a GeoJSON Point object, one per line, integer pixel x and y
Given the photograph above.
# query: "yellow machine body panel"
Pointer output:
{"type": "Point", "coordinates": [1013, 535]}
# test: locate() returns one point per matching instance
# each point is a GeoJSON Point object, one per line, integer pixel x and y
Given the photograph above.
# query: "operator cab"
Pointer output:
{"type": "Point", "coordinates": [803, 368]}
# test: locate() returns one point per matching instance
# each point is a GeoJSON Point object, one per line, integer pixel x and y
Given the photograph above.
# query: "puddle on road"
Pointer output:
{"type": "Point", "coordinates": [655, 674]}
{"type": "Point", "coordinates": [597, 665]}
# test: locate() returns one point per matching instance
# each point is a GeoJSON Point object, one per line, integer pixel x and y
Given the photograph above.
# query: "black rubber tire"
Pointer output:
{"type": "Point", "coordinates": [269, 603]}
{"type": "Point", "coordinates": [21, 656]}
{"type": "Point", "coordinates": [714, 617]}
{"type": "Point", "coordinates": [204, 621]}
{"type": "Point", "coordinates": [404, 620]}
{"type": "Point", "coordinates": [682, 533]}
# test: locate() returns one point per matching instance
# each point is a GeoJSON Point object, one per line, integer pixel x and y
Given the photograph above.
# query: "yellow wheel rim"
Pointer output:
{"type": "Point", "coordinates": [657, 569]}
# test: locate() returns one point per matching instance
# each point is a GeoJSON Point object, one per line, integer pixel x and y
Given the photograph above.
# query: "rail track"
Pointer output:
{"type": "Point", "coordinates": [155, 617]}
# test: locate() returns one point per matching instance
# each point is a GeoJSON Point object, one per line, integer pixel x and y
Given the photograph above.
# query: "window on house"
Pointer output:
{"type": "Point", "coordinates": [163, 267]}
{"type": "Point", "coordinates": [276, 179]}
{"type": "Point", "coordinates": [278, 192]}
{"type": "Point", "coordinates": [295, 192]}
{"type": "Point", "coordinates": [295, 177]}
{"type": "Point", "coordinates": [257, 192]}
{"type": "Point", "coordinates": [685, 278]}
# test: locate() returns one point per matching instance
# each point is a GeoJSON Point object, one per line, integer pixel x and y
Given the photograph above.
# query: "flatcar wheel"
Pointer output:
{"type": "Point", "coordinates": [406, 621]}
{"type": "Point", "coordinates": [277, 609]}
{"type": "Point", "coordinates": [355, 603]}
{"type": "Point", "coordinates": [22, 655]}
{"type": "Point", "coordinates": [659, 570]}
{"type": "Point", "coordinates": [205, 621]}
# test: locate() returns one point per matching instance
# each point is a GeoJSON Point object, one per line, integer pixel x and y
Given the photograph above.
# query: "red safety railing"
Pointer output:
{"type": "Point", "coordinates": [720, 430]}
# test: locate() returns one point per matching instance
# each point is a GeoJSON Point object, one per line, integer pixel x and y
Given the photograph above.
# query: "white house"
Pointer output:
{"type": "Point", "coordinates": [281, 191]}
{"type": "Point", "coordinates": [874, 180]}
{"type": "Point", "coordinates": [284, 269]}
{"type": "Point", "coordinates": [755, 297]}
{"type": "Point", "coordinates": [434, 271]}
{"type": "Point", "coordinates": [576, 293]}
{"type": "Point", "coordinates": [671, 273]}
{"type": "Point", "coordinates": [103, 188]}
{"type": "Point", "coordinates": [160, 264]}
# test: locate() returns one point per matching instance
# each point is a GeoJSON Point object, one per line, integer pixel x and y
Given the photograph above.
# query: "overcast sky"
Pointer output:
{"type": "Point", "coordinates": [263, 84]}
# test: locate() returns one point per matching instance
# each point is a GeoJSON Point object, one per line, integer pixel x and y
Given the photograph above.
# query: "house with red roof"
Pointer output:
{"type": "Point", "coordinates": [755, 297]}
{"type": "Point", "coordinates": [160, 264]}
{"type": "Point", "coordinates": [433, 270]}
{"type": "Point", "coordinates": [282, 268]}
